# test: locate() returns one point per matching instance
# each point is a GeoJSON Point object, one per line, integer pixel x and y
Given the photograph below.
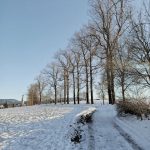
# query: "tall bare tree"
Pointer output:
{"type": "Point", "coordinates": [72, 60]}
{"type": "Point", "coordinates": [140, 47]}
{"type": "Point", "coordinates": [109, 19]}
{"type": "Point", "coordinates": [41, 85]}
{"type": "Point", "coordinates": [52, 77]}
{"type": "Point", "coordinates": [78, 66]}
{"type": "Point", "coordinates": [63, 58]}
{"type": "Point", "coordinates": [123, 67]}
{"type": "Point", "coordinates": [80, 41]}
{"type": "Point", "coordinates": [88, 51]}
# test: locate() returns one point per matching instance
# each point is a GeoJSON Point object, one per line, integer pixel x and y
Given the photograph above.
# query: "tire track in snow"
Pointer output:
{"type": "Point", "coordinates": [91, 142]}
{"type": "Point", "coordinates": [128, 138]}
{"type": "Point", "coordinates": [105, 134]}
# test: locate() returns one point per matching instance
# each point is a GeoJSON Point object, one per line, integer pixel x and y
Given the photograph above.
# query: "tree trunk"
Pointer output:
{"type": "Point", "coordinates": [74, 88]}
{"type": "Point", "coordinates": [67, 87]}
{"type": "Point", "coordinates": [60, 98]}
{"type": "Point", "coordinates": [103, 100]}
{"type": "Point", "coordinates": [64, 86]}
{"type": "Point", "coordinates": [108, 76]}
{"type": "Point", "coordinates": [55, 94]}
{"type": "Point", "coordinates": [40, 97]}
{"type": "Point", "coordinates": [78, 85]}
{"type": "Point", "coordinates": [109, 88]}
{"type": "Point", "coordinates": [122, 87]}
{"type": "Point", "coordinates": [112, 87]}
{"type": "Point", "coordinates": [112, 76]}
{"type": "Point", "coordinates": [91, 80]}
{"type": "Point", "coordinates": [87, 85]}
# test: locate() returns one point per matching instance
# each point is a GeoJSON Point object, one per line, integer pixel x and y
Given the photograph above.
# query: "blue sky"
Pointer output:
{"type": "Point", "coordinates": [31, 31]}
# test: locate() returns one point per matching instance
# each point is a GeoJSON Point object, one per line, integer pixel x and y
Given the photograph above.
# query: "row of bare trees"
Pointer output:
{"type": "Point", "coordinates": [110, 54]}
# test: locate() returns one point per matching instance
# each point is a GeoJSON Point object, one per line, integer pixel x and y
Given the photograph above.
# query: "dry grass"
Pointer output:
{"type": "Point", "coordinates": [139, 108]}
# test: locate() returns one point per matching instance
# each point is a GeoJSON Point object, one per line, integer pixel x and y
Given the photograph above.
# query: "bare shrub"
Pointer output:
{"type": "Point", "coordinates": [139, 108]}
{"type": "Point", "coordinates": [86, 119]}
{"type": "Point", "coordinates": [81, 121]}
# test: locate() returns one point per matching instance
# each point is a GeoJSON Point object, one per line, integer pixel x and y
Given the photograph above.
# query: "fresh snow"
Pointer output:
{"type": "Point", "coordinates": [91, 110]}
{"type": "Point", "coordinates": [102, 133]}
{"type": "Point", "coordinates": [43, 127]}
{"type": "Point", "coordinates": [49, 127]}
{"type": "Point", "coordinates": [137, 131]}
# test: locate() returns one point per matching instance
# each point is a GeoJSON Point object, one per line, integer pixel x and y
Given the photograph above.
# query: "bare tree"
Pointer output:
{"type": "Point", "coordinates": [80, 40]}
{"type": "Point", "coordinates": [109, 18]}
{"type": "Point", "coordinates": [60, 91]}
{"type": "Point", "coordinates": [86, 50]}
{"type": "Point", "coordinates": [52, 77]}
{"type": "Point", "coordinates": [63, 58]}
{"type": "Point", "coordinates": [77, 56]}
{"type": "Point", "coordinates": [33, 96]}
{"type": "Point", "coordinates": [123, 67]}
{"type": "Point", "coordinates": [72, 60]}
{"type": "Point", "coordinates": [140, 47]}
{"type": "Point", "coordinates": [102, 87]}
{"type": "Point", "coordinates": [41, 84]}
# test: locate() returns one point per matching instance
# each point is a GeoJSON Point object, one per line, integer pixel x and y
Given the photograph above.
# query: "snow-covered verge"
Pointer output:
{"type": "Point", "coordinates": [78, 132]}
{"type": "Point", "coordinates": [137, 131]}
{"type": "Point", "coordinates": [81, 117]}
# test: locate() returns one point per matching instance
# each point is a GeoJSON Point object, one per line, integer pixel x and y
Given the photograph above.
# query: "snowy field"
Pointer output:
{"type": "Point", "coordinates": [43, 127]}
{"type": "Point", "coordinates": [48, 127]}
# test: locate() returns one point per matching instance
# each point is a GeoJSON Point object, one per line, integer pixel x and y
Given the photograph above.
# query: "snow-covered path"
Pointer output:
{"type": "Point", "coordinates": [106, 136]}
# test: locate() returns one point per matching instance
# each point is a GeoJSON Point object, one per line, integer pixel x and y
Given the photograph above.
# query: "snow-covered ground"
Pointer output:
{"type": "Point", "coordinates": [43, 127]}
{"type": "Point", "coordinates": [106, 136]}
{"type": "Point", "coordinates": [137, 131]}
{"type": "Point", "coordinates": [48, 127]}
